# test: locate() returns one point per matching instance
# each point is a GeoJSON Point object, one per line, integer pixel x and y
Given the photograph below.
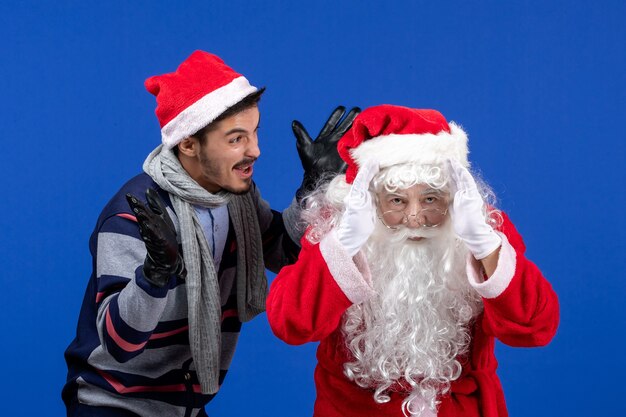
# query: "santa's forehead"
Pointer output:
{"type": "Point", "coordinates": [420, 189]}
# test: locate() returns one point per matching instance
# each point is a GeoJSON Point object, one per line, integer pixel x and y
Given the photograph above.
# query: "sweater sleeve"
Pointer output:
{"type": "Point", "coordinates": [307, 299]}
{"type": "Point", "coordinates": [129, 307]}
{"type": "Point", "coordinates": [520, 306]}
{"type": "Point", "coordinates": [279, 248]}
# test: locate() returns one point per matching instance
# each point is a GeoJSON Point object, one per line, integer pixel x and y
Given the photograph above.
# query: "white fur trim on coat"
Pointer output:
{"type": "Point", "coordinates": [425, 148]}
{"type": "Point", "coordinates": [502, 276]}
{"type": "Point", "coordinates": [351, 274]}
{"type": "Point", "coordinates": [204, 111]}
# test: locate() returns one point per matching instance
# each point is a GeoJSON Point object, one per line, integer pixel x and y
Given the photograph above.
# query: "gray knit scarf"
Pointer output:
{"type": "Point", "coordinates": [203, 294]}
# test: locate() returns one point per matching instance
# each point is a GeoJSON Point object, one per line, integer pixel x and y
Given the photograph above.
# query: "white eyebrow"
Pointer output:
{"type": "Point", "coordinates": [394, 194]}
{"type": "Point", "coordinates": [431, 191]}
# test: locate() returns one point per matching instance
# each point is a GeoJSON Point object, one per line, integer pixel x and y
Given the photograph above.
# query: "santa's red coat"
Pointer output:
{"type": "Point", "coordinates": [307, 300]}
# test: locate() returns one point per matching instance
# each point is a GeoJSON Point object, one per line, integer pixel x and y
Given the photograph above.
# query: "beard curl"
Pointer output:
{"type": "Point", "coordinates": [410, 337]}
{"type": "Point", "coordinates": [323, 208]}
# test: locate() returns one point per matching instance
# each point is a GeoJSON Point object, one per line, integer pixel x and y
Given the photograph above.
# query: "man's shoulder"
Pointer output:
{"type": "Point", "coordinates": [136, 186]}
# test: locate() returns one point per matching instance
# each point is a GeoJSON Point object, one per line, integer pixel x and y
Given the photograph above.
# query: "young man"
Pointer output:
{"type": "Point", "coordinates": [406, 276]}
{"type": "Point", "coordinates": [179, 267]}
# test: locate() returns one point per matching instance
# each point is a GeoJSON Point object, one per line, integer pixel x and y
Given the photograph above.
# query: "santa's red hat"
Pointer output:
{"type": "Point", "coordinates": [391, 135]}
{"type": "Point", "coordinates": [198, 92]}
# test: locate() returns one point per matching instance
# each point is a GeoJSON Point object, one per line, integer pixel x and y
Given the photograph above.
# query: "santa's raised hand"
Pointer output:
{"type": "Point", "coordinates": [357, 222]}
{"type": "Point", "coordinates": [468, 213]}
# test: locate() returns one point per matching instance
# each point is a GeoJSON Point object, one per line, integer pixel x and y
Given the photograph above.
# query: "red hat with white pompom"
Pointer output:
{"type": "Point", "coordinates": [199, 91]}
{"type": "Point", "coordinates": [391, 135]}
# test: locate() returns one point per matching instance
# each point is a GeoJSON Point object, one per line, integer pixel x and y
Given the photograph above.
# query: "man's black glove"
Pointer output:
{"type": "Point", "coordinates": [159, 234]}
{"type": "Point", "coordinates": [320, 157]}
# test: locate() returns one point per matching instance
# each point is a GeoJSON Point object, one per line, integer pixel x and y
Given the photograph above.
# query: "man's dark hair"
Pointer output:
{"type": "Point", "coordinates": [247, 102]}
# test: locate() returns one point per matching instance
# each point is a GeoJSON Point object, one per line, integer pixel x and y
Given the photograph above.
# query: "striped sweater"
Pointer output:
{"type": "Point", "coordinates": [131, 349]}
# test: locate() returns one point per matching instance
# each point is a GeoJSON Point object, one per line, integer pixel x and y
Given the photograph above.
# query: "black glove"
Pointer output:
{"type": "Point", "coordinates": [159, 234]}
{"type": "Point", "coordinates": [320, 157]}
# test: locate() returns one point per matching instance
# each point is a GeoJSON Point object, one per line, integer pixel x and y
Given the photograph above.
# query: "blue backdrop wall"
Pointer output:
{"type": "Point", "coordinates": [539, 86]}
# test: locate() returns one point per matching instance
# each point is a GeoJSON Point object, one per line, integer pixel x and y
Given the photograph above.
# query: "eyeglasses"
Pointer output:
{"type": "Point", "coordinates": [427, 217]}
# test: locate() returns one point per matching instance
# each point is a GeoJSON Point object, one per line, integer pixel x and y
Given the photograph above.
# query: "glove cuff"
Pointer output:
{"type": "Point", "coordinates": [488, 243]}
{"type": "Point", "coordinates": [159, 276]}
{"type": "Point", "coordinates": [351, 246]}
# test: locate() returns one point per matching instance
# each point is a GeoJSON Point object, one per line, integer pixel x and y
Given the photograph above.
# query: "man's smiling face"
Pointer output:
{"type": "Point", "coordinates": [224, 159]}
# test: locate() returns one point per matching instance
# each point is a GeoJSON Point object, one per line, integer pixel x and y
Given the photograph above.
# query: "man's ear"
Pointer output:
{"type": "Point", "coordinates": [189, 146]}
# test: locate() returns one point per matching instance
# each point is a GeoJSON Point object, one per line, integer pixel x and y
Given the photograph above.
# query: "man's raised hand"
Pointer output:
{"type": "Point", "coordinates": [157, 230]}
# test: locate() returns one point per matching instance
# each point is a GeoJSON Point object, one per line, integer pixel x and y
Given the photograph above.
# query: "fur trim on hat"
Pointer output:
{"type": "Point", "coordinates": [425, 148]}
{"type": "Point", "coordinates": [204, 111]}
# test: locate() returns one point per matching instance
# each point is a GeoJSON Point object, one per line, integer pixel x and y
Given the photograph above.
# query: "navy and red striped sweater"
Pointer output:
{"type": "Point", "coordinates": [131, 349]}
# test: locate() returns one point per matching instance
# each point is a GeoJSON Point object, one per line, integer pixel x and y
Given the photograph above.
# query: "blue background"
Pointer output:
{"type": "Point", "coordinates": [539, 86]}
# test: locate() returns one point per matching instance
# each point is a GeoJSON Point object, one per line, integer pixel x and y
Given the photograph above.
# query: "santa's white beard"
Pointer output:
{"type": "Point", "coordinates": [414, 331]}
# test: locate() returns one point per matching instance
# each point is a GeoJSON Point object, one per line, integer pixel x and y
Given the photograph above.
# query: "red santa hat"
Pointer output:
{"type": "Point", "coordinates": [198, 92]}
{"type": "Point", "coordinates": [391, 135]}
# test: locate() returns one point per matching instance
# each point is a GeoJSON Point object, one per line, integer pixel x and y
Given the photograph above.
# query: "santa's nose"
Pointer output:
{"type": "Point", "coordinates": [414, 220]}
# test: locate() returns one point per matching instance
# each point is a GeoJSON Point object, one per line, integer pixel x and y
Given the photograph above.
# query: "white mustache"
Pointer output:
{"type": "Point", "coordinates": [405, 233]}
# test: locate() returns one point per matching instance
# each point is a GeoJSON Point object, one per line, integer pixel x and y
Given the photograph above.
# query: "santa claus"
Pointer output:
{"type": "Point", "coordinates": [407, 275]}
